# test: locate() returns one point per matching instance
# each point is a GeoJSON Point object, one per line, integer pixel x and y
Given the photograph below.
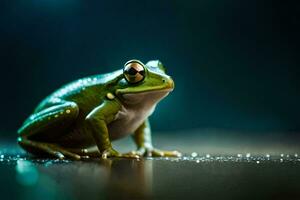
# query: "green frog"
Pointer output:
{"type": "Point", "coordinates": [80, 119]}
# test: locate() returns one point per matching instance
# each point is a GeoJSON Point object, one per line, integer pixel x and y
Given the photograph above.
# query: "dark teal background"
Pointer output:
{"type": "Point", "coordinates": [235, 63]}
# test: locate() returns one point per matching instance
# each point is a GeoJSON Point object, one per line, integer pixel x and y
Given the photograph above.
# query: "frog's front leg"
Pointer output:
{"type": "Point", "coordinates": [142, 138]}
{"type": "Point", "coordinates": [97, 121]}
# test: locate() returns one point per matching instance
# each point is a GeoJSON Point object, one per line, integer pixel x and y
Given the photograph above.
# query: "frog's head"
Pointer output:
{"type": "Point", "coordinates": [142, 82]}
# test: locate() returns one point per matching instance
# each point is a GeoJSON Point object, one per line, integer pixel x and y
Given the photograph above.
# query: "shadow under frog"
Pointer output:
{"type": "Point", "coordinates": [80, 119]}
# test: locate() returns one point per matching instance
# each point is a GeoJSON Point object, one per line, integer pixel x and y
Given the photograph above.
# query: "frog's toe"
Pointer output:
{"type": "Point", "coordinates": [159, 153]}
{"type": "Point", "coordinates": [59, 155]}
{"type": "Point", "coordinates": [132, 154]}
{"type": "Point", "coordinates": [62, 154]}
{"type": "Point", "coordinates": [110, 153]}
{"type": "Point", "coordinates": [115, 154]}
{"type": "Point", "coordinates": [172, 154]}
{"type": "Point", "coordinates": [73, 156]}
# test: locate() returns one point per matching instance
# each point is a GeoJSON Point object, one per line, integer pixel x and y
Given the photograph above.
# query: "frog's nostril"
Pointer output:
{"type": "Point", "coordinates": [164, 80]}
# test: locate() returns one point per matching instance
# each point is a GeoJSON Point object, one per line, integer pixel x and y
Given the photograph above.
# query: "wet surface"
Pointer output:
{"type": "Point", "coordinates": [197, 175]}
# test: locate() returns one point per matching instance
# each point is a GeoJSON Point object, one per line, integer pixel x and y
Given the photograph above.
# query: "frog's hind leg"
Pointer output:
{"type": "Point", "coordinates": [42, 148]}
{"type": "Point", "coordinates": [39, 133]}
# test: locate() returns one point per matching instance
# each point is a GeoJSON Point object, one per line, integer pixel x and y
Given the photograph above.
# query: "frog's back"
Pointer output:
{"type": "Point", "coordinates": [85, 92]}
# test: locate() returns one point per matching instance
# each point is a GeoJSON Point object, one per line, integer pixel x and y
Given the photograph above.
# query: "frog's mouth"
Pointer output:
{"type": "Point", "coordinates": [151, 96]}
{"type": "Point", "coordinates": [138, 90]}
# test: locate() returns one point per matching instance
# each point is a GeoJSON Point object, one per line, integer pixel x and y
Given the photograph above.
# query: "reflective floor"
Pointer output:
{"type": "Point", "coordinates": [224, 173]}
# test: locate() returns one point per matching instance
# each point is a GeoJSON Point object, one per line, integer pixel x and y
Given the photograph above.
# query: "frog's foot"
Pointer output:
{"type": "Point", "coordinates": [111, 153]}
{"type": "Point", "coordinates": [54, 150]}
{"type": "Point", "coordinates": [152, 152]}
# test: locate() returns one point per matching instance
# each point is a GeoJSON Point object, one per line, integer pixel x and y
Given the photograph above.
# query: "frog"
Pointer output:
{"type": "Point", "coordinates": [81, 119]}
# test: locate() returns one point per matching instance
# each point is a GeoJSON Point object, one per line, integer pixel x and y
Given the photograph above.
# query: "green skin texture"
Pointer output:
{"type": "Point", "coordinates": [75, 121]}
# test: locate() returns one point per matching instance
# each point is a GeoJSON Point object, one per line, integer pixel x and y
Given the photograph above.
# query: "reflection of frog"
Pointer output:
{"type": "Point", "coordinates": [93, 111]}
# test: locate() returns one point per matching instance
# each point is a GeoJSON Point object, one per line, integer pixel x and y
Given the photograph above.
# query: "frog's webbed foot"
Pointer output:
{"type": "Point", "coordinates": [152, 152]}
{"type": "Point", "coordinates": [111, 153]}
{"type": "Point", "coordinates": [40, 148]}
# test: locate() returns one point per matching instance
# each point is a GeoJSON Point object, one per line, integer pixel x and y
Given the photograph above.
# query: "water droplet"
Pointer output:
{"type": "Point", "coordinates": [257, 162]}
{"type": "Point", "coordinates": [239, 155]}
{"type": "Point", "coordinates": [2, 156]}
{"type": "Point", "coordinates": [296, 155]}
{"type": "Point", "coordinates": [194, 154]}
{"type": "Point", "coordinates": [248, 155]}
{"type": "Point", "coordinates": [207, 156]}
{"type": "Point", "coordinates": [281, 160]}
{"type": "Point", "coordinates": [268, 155]}
{"type": "Point", "coordinates": [282, 155]}
{"type": "Point", "coordinates": [197, 161]}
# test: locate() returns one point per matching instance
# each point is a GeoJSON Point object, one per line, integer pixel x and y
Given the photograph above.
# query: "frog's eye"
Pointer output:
{"type": "Point", "coordinates": [134, 71]}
